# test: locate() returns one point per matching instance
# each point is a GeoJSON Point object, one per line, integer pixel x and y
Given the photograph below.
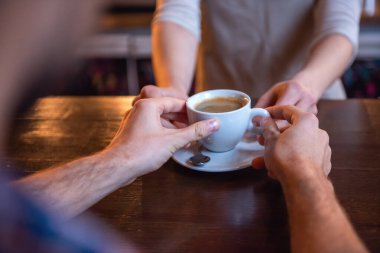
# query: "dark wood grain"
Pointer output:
{"type": "Point", "coordinates": [178, 210]}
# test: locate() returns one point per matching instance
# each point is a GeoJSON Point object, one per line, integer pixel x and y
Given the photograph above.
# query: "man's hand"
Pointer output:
{"type": "Point", "coordinates": [300, 151]}
{"type": "Point", "coordinates": [143, 143]}
{"type": "Point", "coordinates": [289, 92]}
{"type": "Point", "coordinates": [299, 157]}
{"type": "Point", "coordinates": [147, 138]}
{"type": "Point", "coordinates": [152, 91]}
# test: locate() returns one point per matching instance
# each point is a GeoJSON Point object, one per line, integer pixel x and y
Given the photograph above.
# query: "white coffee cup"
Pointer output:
{"type": "Point", "coordinates": [233, 124]}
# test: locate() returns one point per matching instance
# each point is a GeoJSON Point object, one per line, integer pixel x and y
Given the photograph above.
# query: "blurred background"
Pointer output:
{"type": "Point", "coordinates": [116, 60]}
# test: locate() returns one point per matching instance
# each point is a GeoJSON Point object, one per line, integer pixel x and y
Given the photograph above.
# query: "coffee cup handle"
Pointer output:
{"type": "Point", "coordinates": [257, 112]}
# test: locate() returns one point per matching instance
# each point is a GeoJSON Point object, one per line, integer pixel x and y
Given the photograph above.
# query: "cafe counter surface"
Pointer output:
{"type": "Point", "coordinates": [176, 209]}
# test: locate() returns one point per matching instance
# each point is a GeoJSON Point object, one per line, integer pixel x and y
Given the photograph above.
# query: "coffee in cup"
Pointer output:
{"type": "Point", "coordinates": [221, 104]}
{"type": "Point", "coordinates": [231, 108]}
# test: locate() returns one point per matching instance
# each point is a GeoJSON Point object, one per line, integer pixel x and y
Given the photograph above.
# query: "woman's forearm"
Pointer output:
{"type": "Point", "coordinates": [174, 54]}
{"type": "Point", "coordinates": [327, 61]}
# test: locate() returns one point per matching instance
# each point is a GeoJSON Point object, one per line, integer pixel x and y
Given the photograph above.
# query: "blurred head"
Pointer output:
{"type": "Point", "coordinates": [37, 38]}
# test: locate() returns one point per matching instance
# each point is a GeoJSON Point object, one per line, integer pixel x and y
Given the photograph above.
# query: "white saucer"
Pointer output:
{"type": "Point", "coordinates": [238, 158]}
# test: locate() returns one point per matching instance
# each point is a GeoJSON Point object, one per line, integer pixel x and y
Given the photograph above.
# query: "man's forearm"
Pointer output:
{"type": "Point", "coordinates": [72, 188]}
{"type": "Point", "coordinates": [174, 54]}
{"type": "Point", "coordinates": [327, 61]}
{"type": "Point", "coordinates": [317, 222]}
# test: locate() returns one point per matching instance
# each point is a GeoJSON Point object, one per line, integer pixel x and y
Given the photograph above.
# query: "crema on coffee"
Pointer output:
{"type": "Point", "coordinates": [221, 104]}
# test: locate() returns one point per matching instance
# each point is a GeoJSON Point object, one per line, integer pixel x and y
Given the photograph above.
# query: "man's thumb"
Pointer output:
{"type": "Point", "coordinates": [270, 129]}
{"type": "Point", "coordinates": [199, 130]}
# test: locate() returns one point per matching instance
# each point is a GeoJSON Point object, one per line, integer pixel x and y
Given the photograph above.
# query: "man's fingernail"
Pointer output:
{"type": "Point", "coordinates": [257, 121]}
{"type": "Point", "coordinates": [263, 120]}
{"type": "Point", "coordinates": [213, 125]}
